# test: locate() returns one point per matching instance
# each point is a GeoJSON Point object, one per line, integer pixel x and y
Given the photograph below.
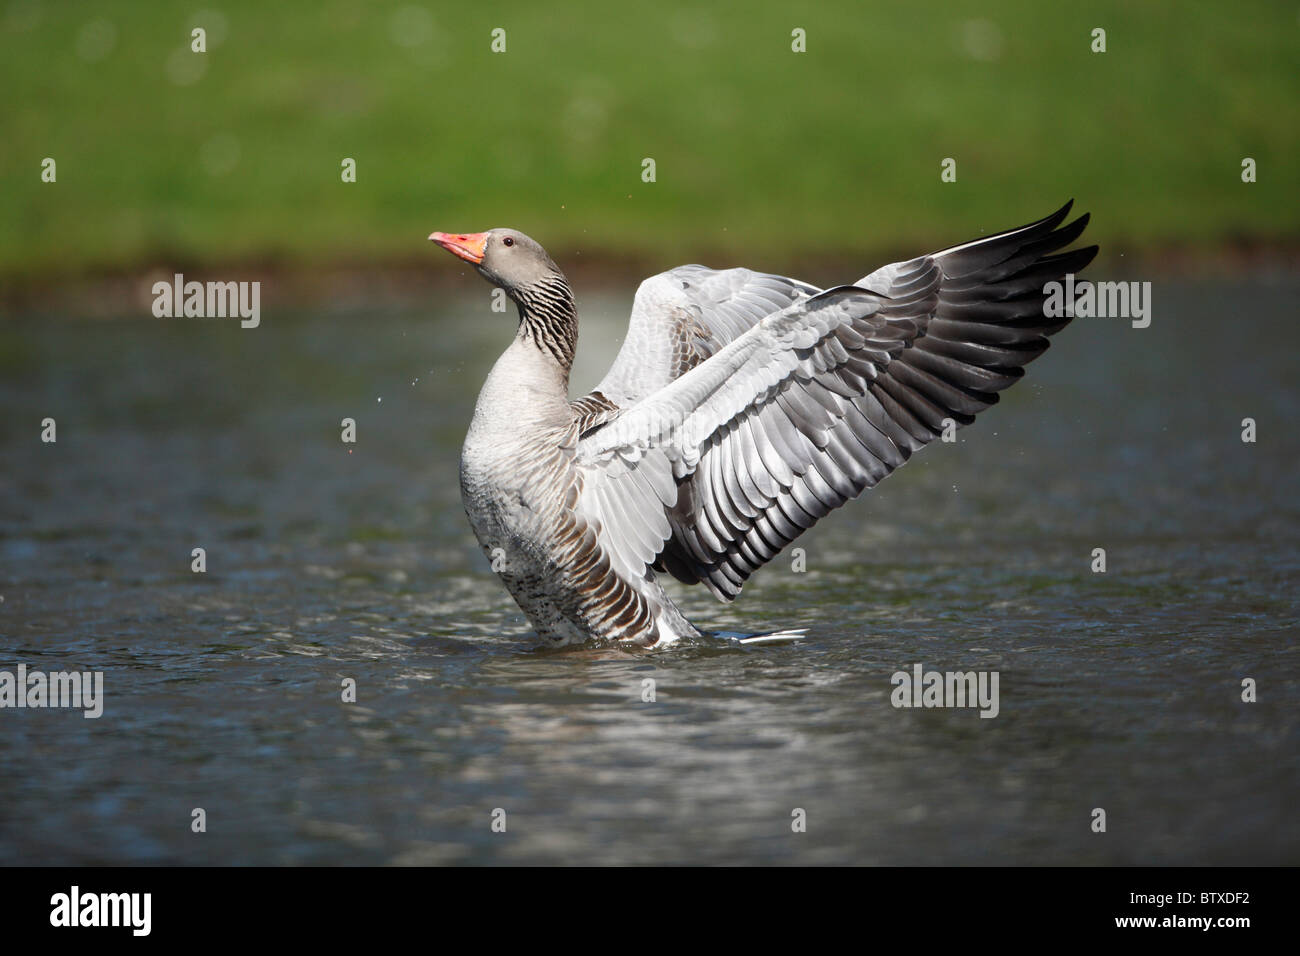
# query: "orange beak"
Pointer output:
{"type": "Point", "coordinates": [468, 246]}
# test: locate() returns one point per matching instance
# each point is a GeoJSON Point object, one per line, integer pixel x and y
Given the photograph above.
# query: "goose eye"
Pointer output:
{"type": "Point", "coordinates": [507, 241]}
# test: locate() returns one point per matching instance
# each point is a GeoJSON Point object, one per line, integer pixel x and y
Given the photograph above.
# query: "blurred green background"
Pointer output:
{"type": "Point", "coordinates": [763, 155]}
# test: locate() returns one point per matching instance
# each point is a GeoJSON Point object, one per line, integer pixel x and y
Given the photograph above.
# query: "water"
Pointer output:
{"type": "Point", "coordinates": [329, 561]}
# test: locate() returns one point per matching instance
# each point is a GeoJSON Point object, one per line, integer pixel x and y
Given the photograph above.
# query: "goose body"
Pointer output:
{"type": "Point", "coordinates": [741, 408]}
{"type": "Point", "coordinates": [521, 486]}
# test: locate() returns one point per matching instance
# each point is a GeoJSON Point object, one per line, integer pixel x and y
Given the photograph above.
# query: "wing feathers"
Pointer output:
{"type": "Point", "coordinates": [782, 402]}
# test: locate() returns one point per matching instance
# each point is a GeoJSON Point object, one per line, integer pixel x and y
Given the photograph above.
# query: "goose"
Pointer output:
{"type": "Point", "coordinates": [741, 408]}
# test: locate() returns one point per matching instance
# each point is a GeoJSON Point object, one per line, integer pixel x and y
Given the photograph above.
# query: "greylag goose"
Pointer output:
{"type": "Point", "coordinates": [741, 408]}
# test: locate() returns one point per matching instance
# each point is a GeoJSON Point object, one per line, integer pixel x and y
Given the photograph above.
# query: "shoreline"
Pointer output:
{"type": "Point", "coordinates": [349, 285]}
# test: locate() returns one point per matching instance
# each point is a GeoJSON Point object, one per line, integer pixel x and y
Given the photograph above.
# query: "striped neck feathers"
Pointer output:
{"type": "Point", "coordinates": [548, 318]}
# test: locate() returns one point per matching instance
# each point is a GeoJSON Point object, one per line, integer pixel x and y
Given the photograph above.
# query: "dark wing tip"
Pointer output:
{"type": "Point", "coordinates": [1086, 254]}
{"type": "Point", "coordinates": [1061, 213]}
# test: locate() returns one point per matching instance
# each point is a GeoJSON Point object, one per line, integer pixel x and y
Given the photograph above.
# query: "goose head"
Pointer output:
{"type": "Point", "coordinates": [505, 257]}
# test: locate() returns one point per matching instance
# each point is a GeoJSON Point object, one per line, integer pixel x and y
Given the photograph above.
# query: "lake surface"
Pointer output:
{"type": "Point", "coordinates": [328, 561]}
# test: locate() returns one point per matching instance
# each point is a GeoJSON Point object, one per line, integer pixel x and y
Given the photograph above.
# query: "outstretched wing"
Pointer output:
{"type": "Point", "coordinates": [683, 316]}
{"type": "Point", "coordinates": [818, 401]}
